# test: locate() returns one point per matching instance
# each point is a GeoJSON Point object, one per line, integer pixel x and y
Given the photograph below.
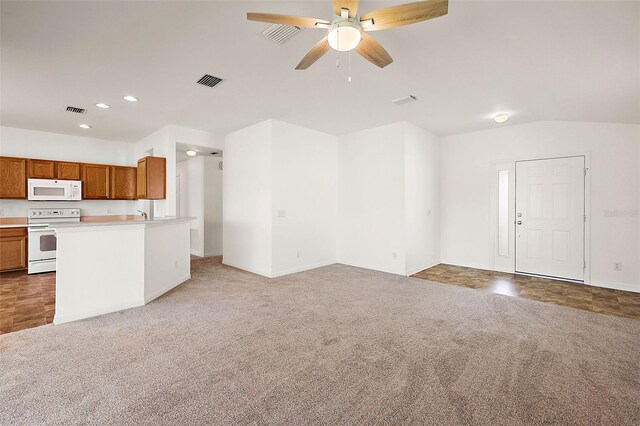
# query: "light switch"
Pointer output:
{"type": "Point", "coordinates": [282, 213]}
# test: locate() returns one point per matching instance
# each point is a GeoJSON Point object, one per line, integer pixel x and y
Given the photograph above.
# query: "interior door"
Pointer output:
{"type": "Point", "coordinates": [550, 217]}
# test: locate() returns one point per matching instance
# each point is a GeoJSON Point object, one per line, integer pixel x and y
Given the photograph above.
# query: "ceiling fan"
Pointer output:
{"type": "Point", "coordinates": [347, 32]}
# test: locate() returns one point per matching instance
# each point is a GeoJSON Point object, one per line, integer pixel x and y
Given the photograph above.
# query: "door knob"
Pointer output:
{"type": "Point", "coordinates": [519, 222]}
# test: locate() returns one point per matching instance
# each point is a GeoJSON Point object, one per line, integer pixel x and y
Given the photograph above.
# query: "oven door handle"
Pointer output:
{"type": "Point", "coordinates": [40, 229]}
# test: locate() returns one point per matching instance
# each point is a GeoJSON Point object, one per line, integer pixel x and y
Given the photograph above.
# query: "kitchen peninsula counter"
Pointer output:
{"type": "Point", "coordinates": [118, 263]}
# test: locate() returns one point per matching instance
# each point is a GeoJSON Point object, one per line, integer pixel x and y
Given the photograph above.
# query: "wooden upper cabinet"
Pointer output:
{"type": "Point", "coordinates": [68, 171]}
{"type": "Point", "coordinates": [123, 183]}
{"type": "Point", "coordinates": [96, 181]}
{"type": "Point", "coordinates": [13, 177]}
{"type": "Point", "coordinates": [41, 169]}
{"type": "Point", "coordinates": [152, 178]}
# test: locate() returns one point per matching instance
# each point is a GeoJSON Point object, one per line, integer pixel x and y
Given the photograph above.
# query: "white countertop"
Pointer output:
{"type": "Point", "coordinates": [154, 221]}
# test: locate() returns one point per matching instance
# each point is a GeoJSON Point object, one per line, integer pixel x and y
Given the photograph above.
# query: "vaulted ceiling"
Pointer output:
{"type": "Point", "coordinates": [575, 61]}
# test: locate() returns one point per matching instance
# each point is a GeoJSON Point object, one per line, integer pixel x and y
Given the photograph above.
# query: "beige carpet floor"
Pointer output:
{"type": "Point", "coordinates": [335, 345]}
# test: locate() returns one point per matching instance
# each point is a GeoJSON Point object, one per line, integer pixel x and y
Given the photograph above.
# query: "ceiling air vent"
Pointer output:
{"type": "Point", "coordinates": [280, 34]}
{"type": "Point", "coordinates": [209, 80]}
{"type": "Point", "coordinates": [76, 110]}
{"type": "Point", "coordinates": [404, 100]}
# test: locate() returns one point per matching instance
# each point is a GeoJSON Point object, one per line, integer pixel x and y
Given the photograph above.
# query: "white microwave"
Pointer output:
{"type": "Point", "coordinates": [54, 190]}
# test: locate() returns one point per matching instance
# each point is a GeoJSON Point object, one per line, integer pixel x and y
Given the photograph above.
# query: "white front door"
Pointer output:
{"type": "Point", "coordinates": [550, 217]}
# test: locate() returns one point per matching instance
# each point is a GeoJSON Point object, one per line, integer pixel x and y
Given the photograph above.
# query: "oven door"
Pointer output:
{"type": "Point", "coordinates": [42, 243]}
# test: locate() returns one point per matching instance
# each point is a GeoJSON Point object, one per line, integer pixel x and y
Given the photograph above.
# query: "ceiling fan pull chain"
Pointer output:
{"type": "Point", "coordinates": [349, 79]}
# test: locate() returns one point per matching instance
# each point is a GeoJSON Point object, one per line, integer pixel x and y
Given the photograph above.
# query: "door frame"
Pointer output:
{"type": "Point", "coordinates": [510, 165]}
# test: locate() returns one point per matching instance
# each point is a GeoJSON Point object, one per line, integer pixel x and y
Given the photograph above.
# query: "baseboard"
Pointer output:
{"type": "Point", "coordinates": [244, 268]}
{"type": "Point", "coordinates": [616, 286]}
{"type": "Point", "coordinates": [302, 268]}
{"type": "Point", "coordinates": [195, 253]}
{"type": "Point", "coordinates": [158, 293]}
{"type": "Point", "coordinates": [422, 268]}
{"type": "Point", "coordinates": [62, 319]}
{"type": "Point", "coordinates": [212, 254]}
{"type": "Point", "coordinates": [371, 267]}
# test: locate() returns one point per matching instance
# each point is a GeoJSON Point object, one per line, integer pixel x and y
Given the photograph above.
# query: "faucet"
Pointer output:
{"type": "Point", "coordinates": [144, 214]}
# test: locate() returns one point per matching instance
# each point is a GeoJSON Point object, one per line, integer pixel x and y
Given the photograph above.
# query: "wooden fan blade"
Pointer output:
{"type": "Point", "coordinates": [352, 5]}
{"type": "Point", "coordinates": [405, 14]}
{"type": "Point", "coordinates": [294, 21]}
{"type": "Point", "coordinates": [373, 52]}
{"type": "Point", "coordinates": [314, 54]}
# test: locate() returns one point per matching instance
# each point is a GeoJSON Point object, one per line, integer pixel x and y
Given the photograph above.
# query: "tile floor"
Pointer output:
{"type": "Point", "coordinates": [26, 300]}
{"type": "Point", "coordinates": [579, 296]}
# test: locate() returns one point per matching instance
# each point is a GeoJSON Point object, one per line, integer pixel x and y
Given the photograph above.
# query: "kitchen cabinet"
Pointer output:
{"type": "Point", "coordinates": [68, 171]}
{"type": "Point", "coordinates": [96, 181]}
{"type": "Point", "coordinates": [41, 169]}
{"type": "Point", "coordinates": [13, 249]}
{"type": "Point", "coordinates": [13, 177]}
{"type": "Point", "coordinates": [123, 183]}
{"type": "Point", "coordinates": [152, 182]}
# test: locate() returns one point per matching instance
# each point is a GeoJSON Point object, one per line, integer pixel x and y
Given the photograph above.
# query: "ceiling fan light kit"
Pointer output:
{"type": "Point", "coordinates": [347, 31]}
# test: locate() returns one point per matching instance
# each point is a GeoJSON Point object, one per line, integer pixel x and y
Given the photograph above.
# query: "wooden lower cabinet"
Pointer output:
{"type": "Point", "coordinates": [96, 181]}
{"type": "Point", "coordinates": [13, 177]}
{"type": "Point", "coordinates": [123, 183]}
{"type": "Point", "coordinates": [13, 249]}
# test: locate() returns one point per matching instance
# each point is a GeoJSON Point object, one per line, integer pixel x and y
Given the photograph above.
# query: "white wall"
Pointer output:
{"type": "Point", "coordinates": [212, 206]}
{"type": "Point", "coordinates": [388, 203]}
{"type": "Point", "coordinates": [371, 199]}
{"type": "Point", "coordinates": [422, 199]}
{"type": "Point", "coordinates": [247, 199]}
{"type": "Point", "coordinates": [304, 184]}
{"type": "Point", "coordinates": [191, 174]}
{"type": "Point", "coordinates": [467, 162]}
{"type": "Point", "coordinates": [52, 146]}
{"type": "Point", "coordinates": [279, 198]}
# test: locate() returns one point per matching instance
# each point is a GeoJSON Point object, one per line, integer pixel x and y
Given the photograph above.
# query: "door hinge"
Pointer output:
{"type": "Point", "coordinates": [585, 171]}
{"type": "Point", "coordinates": [584, 218]}
{"type": "Point", "coordinates": [584, 264]}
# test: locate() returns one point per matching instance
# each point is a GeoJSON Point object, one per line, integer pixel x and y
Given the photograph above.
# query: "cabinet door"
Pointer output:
{"type": "Point", "coordinates": [67, 171]}
{"type": "Point", "coordinates": [95, 181]}
{"type": "Point", "coordinates": [141, 184]}
{"type": "Point", "coordinates": [41, 169]}
{"type": "Point", "coordinates": [13, 249]}
{"type": "Point", "coordinates": [123, 183]}
{"type": "Point", "coordinates": [13, 177]}
{"type": "Point", "coordinates": [154, 171]}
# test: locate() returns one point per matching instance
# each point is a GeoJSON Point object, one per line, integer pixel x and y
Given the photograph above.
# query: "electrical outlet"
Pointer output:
{"type": "Point", "coordinates": [395, 255]}
{"type": "Point", "coordinates": [617, 266]}
{"type": "Point", "coordinates": [175, 264]}
{"type": "Point", "coordinates": [108, 211]}
{"type": "Point", "coordinates": [1, 212]}
{"type": "Point", "coordinates": [298, 254]}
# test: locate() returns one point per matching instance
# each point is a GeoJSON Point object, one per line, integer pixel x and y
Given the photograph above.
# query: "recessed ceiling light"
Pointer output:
{"type": "Point", "coordinates": [130, 98]}
{"type": "Point", "coordinates": [191, 152]}
{"type": "Point", "coordinates": [101, 105]}
{"type": "Point", "coordinates": [85, 126]}
{"type": "Point", "coordinates": [501, 118]}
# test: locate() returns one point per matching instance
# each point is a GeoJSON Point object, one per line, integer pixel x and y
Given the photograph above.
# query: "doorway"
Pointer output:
{"type": "Point", "coordinates": [550, 217]}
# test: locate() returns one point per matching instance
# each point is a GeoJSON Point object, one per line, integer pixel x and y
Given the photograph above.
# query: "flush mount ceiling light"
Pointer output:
{"type": "Point", "coordinates": [501, 118]}
{"type": "Point", "coordinates": [348, 30]}
{"type": "Point", "coordinates": [85, 126]}
{"type": "Point", "coordinates": [102, 105]}
{"type": "Point", "coordinates": [191, 152]}
{"type": "Point", "coordinates": [130, 98]}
